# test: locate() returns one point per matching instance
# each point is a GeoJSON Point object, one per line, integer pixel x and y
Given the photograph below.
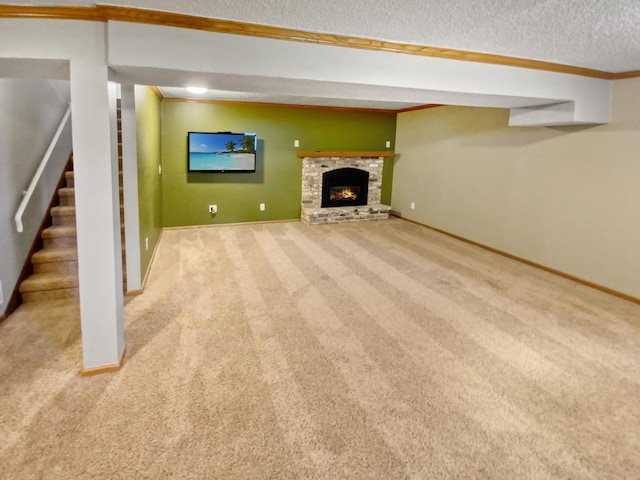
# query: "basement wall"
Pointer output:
{"type": "Point", "coordinates": [563, 197]}
{"type": "Point", "coordinates": [149, 177]}
{"type": "Point", "coordinates": [30, 112]}
{"type": "Point", "coordinates": [277, 181]}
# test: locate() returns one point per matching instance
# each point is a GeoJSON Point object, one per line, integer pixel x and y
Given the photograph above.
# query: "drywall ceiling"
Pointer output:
{"type": "Point", "coordinates": [253, 97]}
{"type": "Point", "coordinates": [139, 53]}
{"type": "Point", "coordinates": [597, 34]}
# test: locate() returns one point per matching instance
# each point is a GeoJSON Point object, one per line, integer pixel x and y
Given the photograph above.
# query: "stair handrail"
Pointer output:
{"type": "Point", "coordinates": [26, 194]}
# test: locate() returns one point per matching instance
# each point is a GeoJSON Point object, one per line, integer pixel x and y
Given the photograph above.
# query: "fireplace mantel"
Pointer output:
{"type": "Point", "coordinates": [385, 153]}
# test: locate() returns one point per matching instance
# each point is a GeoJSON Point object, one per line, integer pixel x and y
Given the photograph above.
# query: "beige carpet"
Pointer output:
{"type": "Point", "coordinates": [378, 350]}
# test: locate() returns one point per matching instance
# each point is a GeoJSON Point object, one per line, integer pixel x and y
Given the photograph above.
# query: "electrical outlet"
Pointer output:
{"type": "Point", "coordinates": [262, 207]}
{"type": "Point", "coordinates": [146, 243]}
{"type": "Point", "coordinates": [159, 169]}
{"type": "Point", "coordinates": [296, 143]}
{"type": "Point", "coordinates": [388, 144]}
{"type": "Point", "coordinates": [413, 206]}
{"type": "Point", "coordinates": [213, 209]}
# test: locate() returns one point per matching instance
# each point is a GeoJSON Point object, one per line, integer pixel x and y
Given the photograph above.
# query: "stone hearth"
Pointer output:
{"type": "Point", "coordinates": [315, 164]}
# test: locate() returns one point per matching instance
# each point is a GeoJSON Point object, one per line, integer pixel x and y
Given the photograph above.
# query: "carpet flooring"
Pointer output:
{"type": "Point", "coordinates": [354, 351]}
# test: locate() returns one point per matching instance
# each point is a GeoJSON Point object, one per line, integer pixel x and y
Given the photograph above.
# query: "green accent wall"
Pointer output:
{"type": "Point", "coordinates": [278, 177]}
{"type": "Point", "coordinates": [149, 181]}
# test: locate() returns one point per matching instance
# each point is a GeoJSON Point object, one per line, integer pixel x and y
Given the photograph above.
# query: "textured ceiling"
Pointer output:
{"type": "Point", "coordinates": [597, 34]}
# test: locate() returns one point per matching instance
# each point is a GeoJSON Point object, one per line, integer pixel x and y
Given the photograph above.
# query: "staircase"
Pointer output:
{"type": "Point", "coordinates": [55, 266]}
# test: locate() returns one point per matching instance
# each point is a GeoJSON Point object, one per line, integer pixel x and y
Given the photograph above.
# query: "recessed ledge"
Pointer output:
{"type": "Point", "coordinates": [319, 154]}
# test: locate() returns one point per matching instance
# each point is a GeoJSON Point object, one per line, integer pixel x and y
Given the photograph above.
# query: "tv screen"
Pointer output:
{"type": "Point", "coordinates": [221, 152]}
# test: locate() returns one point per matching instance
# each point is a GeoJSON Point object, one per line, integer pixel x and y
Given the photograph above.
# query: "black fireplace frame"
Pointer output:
{"type": "Point", "coordinates": [345, 177]}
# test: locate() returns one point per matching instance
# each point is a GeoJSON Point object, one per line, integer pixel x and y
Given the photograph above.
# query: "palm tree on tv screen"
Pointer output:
{"type": "Point", "coordinates": [231, 146]}
{"type": "Point", "coordinates": [248, 144]}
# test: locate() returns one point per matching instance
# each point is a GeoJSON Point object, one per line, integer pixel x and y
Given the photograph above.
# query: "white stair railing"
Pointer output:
{"type": "Point", "coordinates": [36, 177]}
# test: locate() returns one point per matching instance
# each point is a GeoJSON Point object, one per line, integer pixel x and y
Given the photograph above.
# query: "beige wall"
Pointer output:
{"type": "Point", "coordinates": [566, 197]}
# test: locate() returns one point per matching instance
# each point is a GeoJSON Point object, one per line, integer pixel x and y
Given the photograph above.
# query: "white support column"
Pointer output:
{"type": "Point", "coordinates": [93, 104]}
{"type": "Point", "coordinates": [130, 185]}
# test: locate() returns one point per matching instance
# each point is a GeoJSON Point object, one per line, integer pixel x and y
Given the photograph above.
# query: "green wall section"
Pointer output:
{"type": "Point", "coordinates": [149, 183]}
{"type": "Point", "coordinates": [278, 177]}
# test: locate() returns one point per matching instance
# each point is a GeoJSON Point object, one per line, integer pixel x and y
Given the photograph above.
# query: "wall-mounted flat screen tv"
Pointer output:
{"type": "Point", "coordinates": [221, 152]}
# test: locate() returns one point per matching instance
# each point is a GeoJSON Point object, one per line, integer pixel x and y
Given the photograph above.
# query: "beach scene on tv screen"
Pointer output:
{"type": "Point", "coordinates": [221, 151]}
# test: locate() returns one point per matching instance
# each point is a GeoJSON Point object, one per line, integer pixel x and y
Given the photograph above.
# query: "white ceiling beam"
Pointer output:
{"type": "Point", "coordinates": [256, 64]}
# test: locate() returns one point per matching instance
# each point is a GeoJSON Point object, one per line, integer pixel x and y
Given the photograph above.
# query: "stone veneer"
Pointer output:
{"type": "Point", "coordinates": [361, 213]}
{"type": "Point", "coordinates": [312, 170]}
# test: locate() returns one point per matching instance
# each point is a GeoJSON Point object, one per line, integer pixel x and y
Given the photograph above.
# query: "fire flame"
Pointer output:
{"type": "Point", "coordinates": [344, 194]}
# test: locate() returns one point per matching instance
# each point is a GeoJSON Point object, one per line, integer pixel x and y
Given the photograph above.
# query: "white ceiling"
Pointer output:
{"type": "Point", "coordinates": [597, 34]}
{"type": "Point", "coordinates": [222, 95]}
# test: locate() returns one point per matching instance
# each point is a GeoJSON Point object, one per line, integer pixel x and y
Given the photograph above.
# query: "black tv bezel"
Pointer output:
{"type": "Point", "coordinates": [255, 154]}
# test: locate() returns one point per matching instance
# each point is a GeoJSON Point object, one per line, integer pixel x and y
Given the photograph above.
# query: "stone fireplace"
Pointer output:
{"type": "Point", "coordinates": [342, 187]}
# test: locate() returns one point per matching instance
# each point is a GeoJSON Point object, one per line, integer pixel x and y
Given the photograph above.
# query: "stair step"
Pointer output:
{"type": "Point", "coordinates": [70, 179]}
{"type": "Point", "coordinates": [50, 295]}
{"type": "Point", "coordinates": [48, 255]}
{"type": "Point", "coordinates": [57, 232]}
{"type": "Point", "coordinates": [63, 211]}
{"type": "Point", "coordinates": [67, 197]}
{"type": "Point", "coordinates": [63, 215]}
{"type": "Point", "coordinates": [68, 176]}
{"type": "Point", "coordinates": [49, 281]}
{"type": "Point", "coordinates": [70, 266]}
{"type": "Point", "coordinates": [60, 237]}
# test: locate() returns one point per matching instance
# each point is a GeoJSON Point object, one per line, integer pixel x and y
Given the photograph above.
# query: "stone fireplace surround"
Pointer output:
{"type": "Point", "coordinates": [315, 164]}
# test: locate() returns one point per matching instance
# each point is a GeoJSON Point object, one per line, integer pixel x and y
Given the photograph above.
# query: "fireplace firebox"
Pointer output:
{"type": "Point", "coordinates": [345, 187]}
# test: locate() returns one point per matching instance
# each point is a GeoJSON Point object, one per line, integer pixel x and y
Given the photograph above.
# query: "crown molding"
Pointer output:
{"type": "Point", "coordinates": [623, 75]}
{"type": "Point", "coordinates": [157, 92]}
{"type": "Point", "coordinates": [92, 14]}
{"type": "Point", "coordinates": [419, 107]}
{"type": "Point", "coordinates": [104, 13]}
